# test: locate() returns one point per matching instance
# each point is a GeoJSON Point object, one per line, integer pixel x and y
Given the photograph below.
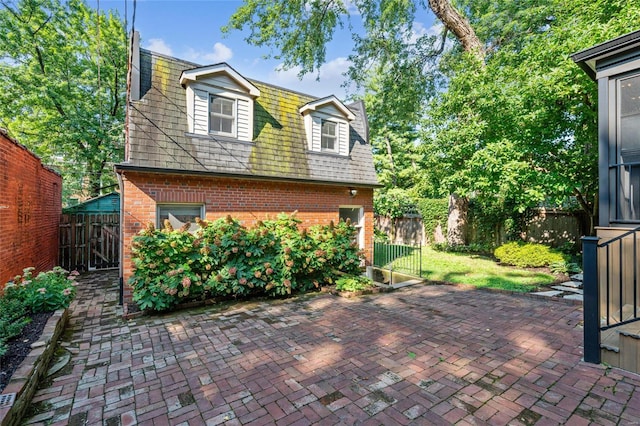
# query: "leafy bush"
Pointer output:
{"type": "Point", "coordinates": [564, 267]}
{"type": "Point", "coordinates": [226, 259]}
{"type": "Point", "coordinates": [527, 255]}
{"type": "Point", "coordinates": [470, 248]}
{"type": "Point", "coordinates": [12, 320]}
{"type": "Point", "coordinates": [393, 203]}
{"type": "Point", "coordinates": [380, 236]}
{"type": "Point", "coordinates": [46, 292]}
{"type": "Point", "coordinates": [434, 212]}
{"type": "Point", "coordinates": [353, 283]}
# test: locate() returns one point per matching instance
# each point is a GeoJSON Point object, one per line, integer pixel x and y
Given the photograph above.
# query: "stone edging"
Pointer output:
{"type": "Point", "coordinates": [33, 368]}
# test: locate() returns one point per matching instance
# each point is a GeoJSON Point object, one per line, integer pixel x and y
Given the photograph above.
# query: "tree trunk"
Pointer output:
{"type": "Point", "coordinates": [457, 223]}
{"type": "Point", "coordinates": [455, 22]}
{"type": "Point", "coordinates": [392, 165]}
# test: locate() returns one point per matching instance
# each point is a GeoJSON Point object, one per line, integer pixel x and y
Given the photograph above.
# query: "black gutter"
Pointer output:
{"type": "Point", "coordinates": [602, 50]}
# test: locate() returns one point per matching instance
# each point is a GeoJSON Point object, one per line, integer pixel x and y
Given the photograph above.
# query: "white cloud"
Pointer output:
{"type": "Point", "coordinates": [158, 45]}
{"type": "Point", "coordinates": [330, 79]}
{"type": "Point", "coordinates": [219, 53]}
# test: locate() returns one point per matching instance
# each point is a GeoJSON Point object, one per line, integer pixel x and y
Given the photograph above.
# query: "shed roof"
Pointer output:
{"type": "Point", "coordinates": [159, 140]}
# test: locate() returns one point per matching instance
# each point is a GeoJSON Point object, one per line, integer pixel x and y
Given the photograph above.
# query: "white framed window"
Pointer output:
{"type": "Point", "coordinates": [179, 214]}
{"type": "Point", "coordinates": [328, 136]}
{"type": "Point", "coordinates": [356, 215]}
{"type": "Point", "coordinates": [222, 115]}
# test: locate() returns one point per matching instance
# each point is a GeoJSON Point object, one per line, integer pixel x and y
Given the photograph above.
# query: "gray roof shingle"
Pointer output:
{"type": "Point", "coordinates": [159, 138]}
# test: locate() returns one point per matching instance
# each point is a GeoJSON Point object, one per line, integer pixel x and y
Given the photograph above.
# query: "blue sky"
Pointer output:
{"type": "Point", "coordinates": [191, 30]}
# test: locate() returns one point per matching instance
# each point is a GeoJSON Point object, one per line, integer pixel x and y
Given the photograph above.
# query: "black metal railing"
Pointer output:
{"type": "Point", "coordinates": [398, 258]}
{"type": "Point", "coordinates": [615, 288]}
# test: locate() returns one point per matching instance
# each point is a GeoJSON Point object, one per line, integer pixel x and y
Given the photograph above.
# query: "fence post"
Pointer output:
{"type": "Point", "coordinates": [591, 303]}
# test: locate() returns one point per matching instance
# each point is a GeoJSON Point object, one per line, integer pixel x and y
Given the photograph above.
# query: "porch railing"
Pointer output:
{"type": "Point", "coordinates": [398, 258]}
{"type": "Point", "coordinates": [610, 287]}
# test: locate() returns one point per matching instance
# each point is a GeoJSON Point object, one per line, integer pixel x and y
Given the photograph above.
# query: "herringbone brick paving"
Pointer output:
{"type": "Point", "coordinates": [421, 355]}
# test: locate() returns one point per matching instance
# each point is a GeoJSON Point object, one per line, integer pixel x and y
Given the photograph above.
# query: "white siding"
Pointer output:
{"type": "Point", "coordinates": [221, 81]}
{"type": "Point", "coordinates": [244, 120]}
{"type": "Point", "coordinates": [343, 138]}
{"type": "Point", "coordinates": [201, 112]}
{"type": "Point", "coordinates": [316, 132]}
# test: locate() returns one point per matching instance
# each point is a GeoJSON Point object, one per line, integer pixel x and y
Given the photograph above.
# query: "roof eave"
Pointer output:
{"type": "Point", "coordinates": [123, 167]}
{"type": "Point", "coordinates": [588, 58]}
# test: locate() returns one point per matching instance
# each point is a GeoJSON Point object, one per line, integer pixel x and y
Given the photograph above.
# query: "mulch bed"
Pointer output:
{"type": "Point", "coordinates": [20, 346]}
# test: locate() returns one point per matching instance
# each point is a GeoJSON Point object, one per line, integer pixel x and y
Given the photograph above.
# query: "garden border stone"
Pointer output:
{"type": "Point", "coordinates": [32, 369]}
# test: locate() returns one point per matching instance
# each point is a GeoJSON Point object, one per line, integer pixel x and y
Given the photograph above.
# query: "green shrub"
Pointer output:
{"type": "Point", "coordinates": [434, 212]}
{"type": "Point", "coordinates": [353, 283]}
{"type": "Point", "coordinates": [470, 248]}
{"type": "Point", "coordinates": [26, 294]}
{"type": "Point", "coordinates": [46, 292]}
{"type": "Point", "coordinates": [564, 267]}
{"type": "Point", "coordinates": [527, 255]}
{"type": "Point", "coordinates": [225, 259]}
{"type": "Point", "coordinates": [12, 320]}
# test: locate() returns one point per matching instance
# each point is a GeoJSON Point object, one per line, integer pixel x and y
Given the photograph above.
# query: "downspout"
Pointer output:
{"type": "Point", "coordinates": [133, 93]}
{"type": "Point", "coordinates": [121, 242]}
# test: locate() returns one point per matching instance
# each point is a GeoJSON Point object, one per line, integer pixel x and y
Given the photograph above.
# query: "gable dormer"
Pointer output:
{"type": "Point", "coordinates": [219, 102]}
{"type": "Point", "coordinates": [326, 123]}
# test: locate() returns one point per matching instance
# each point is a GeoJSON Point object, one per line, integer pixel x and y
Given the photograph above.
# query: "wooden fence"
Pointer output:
{"type": "Point", "coordinates": [549, 226]}
{"type": "Point", "coordinates": [89, 241]}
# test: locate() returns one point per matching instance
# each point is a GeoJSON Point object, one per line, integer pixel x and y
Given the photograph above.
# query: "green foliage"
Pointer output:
{"type": "Point", "coordinates": [527, 255]}
{"type": "Point", "coordinates": [226, 259]}
{"type": "Point", "coordinates": [380, 236]}
{"type": "Point", "coordinates": [354, 283]}
{"type": "Point", "coordinates": [64, 87]}
{"type": "Point", "coordinates": [12, 320]}
{"type": "Point", "coordinates": [27, 294]}
{"type": "Point", "coordinates": [511, 126]}
{"type": "Point", "coordinates": [564, 267]}
{"type": "Point", "coordinates": [434, 212]}
{"type": "Point", "coordinates": [46, 292]}
{"type": "Point", "coordinates": [458, 248]}
{"type": "Point", "coordinates": [393, 203]}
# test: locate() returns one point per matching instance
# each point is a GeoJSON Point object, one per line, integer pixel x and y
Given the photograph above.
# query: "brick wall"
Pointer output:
{"type": "Point", "coordinates": [30, 208]}
{"type": "Point", "coordinates": [247, 201]}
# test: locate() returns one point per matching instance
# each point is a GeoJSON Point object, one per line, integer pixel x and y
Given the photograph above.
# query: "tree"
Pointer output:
{"type": "Point", "coordinates": [63, 71]}
{"type": "Point", "coordinates": [509, 119]}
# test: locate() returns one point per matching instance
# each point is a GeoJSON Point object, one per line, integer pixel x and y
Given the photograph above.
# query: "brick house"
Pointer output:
{"type": "Point", "coordinates": [30, 207]}
{"type": "Point", "coordinates": [206, 141]}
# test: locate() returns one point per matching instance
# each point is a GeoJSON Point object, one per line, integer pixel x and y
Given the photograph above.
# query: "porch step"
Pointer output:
{"type": "Point", "coordinates": [620, 347]}
{"type": "Point", "coordinates": [627, 314]}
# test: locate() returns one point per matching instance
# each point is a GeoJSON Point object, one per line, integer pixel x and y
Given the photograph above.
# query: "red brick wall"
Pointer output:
{"type": "Point", "coordinates": [30, 208]}
{"type": "Point", "coordinates": [245, 200]}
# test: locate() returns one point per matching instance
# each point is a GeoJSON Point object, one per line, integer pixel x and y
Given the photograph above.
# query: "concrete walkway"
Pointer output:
{"type": "Point", "coordinates": [419, 355]}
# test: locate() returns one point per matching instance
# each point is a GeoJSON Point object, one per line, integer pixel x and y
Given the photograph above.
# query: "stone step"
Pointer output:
{"type": "Point", "coordinates": [574, 284]}
{"type": "Point", "coordinates": [577, 277]}
{"type": "Point", "coordinates": [562, 287]}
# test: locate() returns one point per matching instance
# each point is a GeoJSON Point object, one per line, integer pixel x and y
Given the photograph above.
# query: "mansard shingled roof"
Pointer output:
{"type": "Point", "coordinates": [159, 138]}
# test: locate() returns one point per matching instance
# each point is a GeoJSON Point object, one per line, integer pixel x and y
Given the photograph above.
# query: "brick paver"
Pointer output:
{"type": "Point", "coordinates": [420, 355]}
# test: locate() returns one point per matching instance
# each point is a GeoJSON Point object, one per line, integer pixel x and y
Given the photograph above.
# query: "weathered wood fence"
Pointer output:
{"type": "Point", "coordinates": [549, 226]}
{"type": "Point", "coordinates": [89, 241]}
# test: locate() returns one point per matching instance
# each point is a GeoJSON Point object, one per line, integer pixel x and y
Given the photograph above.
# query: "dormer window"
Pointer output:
{"type": "Point", "coordinates": [222, 115]}
{"type": "Point", "coordinates": [328, 135]}
{"type": "Point", "coordinates": [326, 123]}
{"type": "Point", "coordinates": [219, 102]}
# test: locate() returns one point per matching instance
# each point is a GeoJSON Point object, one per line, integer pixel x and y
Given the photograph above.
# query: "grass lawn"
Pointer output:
{"type": "Point", "coordinates": [479, 271]}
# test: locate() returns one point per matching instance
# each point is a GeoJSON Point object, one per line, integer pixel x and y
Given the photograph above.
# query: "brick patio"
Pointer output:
{"type": "Point", "coordinates": [419, 355]}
